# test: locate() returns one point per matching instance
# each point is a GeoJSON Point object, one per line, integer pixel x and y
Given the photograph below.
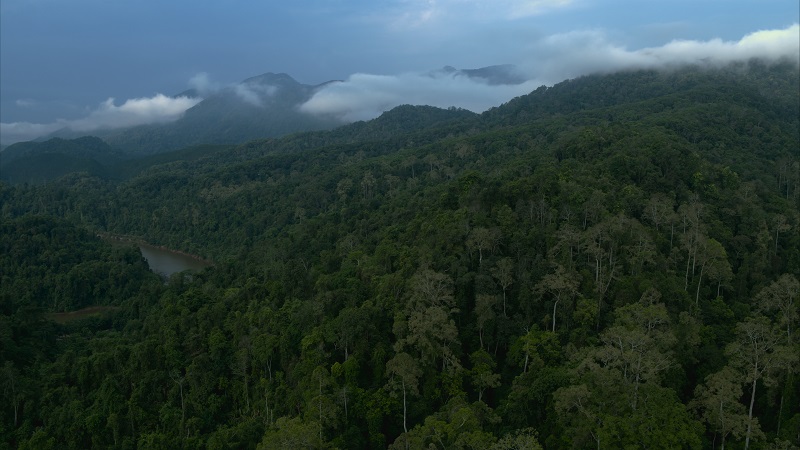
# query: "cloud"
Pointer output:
{"type": "Point", "coordinates": [362, 96]}
{"type": "Point", "coordinates": [365, 96]}
{"type": "Point", "coordinates": [25, 131]}
{"type": "Point", "coordinates": [203, 85]}
{"type": "Point", "coordinates": [767, 44]}
{"type": "Point", "coordinates": [249, 92]}
{"type": "Point", "coordinates": [578, 53]}
{"type": "Point", "coordinates": [25, 103]}
{"type": "Point", "coordinates": [416, 13]}
{"type": "Point", "coordinates": [523, 8]}
{"type": "Point", "coordinates": [547, 61]}
{"type": "Point", "coordinates": [253, 93]}
{"type": "Point", "coordinates": [139, 111]}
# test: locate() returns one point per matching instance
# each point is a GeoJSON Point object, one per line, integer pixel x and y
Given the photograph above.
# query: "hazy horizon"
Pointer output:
{"type": "Point", "coordinates": [90, 65]}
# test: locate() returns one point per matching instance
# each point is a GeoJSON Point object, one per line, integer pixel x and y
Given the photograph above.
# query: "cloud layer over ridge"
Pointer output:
{"type": "Point", "coordinates": [546, 62]}
{"type": "Point", "coordinates": [364, 96]}
{"type": "Point", "coordinates": [137, 111]}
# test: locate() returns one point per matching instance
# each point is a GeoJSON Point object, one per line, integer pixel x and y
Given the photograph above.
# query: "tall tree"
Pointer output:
{"type": "Point", "coordinates": [404, 372]}
{"type": "Point", "coordinates": [756, 351]}
{"type": "Point", "coordinates": [781, 296]}
{"type": "Point", "coordinates": [561, 285]}
{"type": "Point", "coordinates": [503, 273]}
{"type": "Point", "coordinates": [718, 403]}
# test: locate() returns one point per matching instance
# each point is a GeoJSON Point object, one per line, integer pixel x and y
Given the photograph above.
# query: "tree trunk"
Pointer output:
{"type": "Point", "coordinates": [266, 406]}
{"type": "Point", "coordinates": [671, 234]}
{"type": "Point", "coordinates": [750, 414]}
{"type": "Point", "coordinates": [183, 407]}
{"type": "Point", "coordinates": [246, 393]}
{"type": "Point", "coordinates": [405, 428]}
{"type": "Point", "coordinates": [525, 368]}
{"type": "Point", "coordinates": [345, 403]}
{"type": "Point", "coordinates": [697, 295]}
{"type": "Point", "coordinates": [554, 315]}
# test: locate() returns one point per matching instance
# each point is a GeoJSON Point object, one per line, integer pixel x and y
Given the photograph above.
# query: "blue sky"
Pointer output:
{"type": "Point", "coordinates": [80, 60]}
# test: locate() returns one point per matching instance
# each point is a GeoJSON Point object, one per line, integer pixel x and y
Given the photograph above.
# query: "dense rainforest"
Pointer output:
{"type": "Point", "coordinates": [610, 262]}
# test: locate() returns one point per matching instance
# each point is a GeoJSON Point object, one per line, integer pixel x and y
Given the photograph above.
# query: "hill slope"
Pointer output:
{"type": "Point", "coordinates": [38, 162]}
{"type": "Point", "coordinates": [265, 106]}
{"type": "Point", "coordinates": [594, 263]}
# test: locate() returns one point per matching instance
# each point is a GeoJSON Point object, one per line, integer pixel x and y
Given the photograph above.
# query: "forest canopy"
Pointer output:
{"type": "Point", "coordinates": [610, 262]}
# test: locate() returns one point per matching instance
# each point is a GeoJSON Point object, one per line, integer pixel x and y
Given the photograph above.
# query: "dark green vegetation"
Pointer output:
{"type": "Point", "coordinates": [38, 162]}
{"type": "Point", "coordinates": [612, 262]}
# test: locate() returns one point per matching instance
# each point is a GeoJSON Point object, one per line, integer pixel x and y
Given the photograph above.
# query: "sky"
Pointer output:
{"type": "Point", "coordinates": [90, 64]}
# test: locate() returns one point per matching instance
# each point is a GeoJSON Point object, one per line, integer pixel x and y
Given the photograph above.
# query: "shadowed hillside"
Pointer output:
{"type": "Point", "coordinates": [610, 262]}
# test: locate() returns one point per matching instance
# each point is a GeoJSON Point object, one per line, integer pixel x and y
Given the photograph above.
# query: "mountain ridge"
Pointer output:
{"type": "Point", "coordinates": [428, 124]}
{"type": "Point", "coordinates": [261, 106]}
{"type": "Point", "coordinates": [470, 275]}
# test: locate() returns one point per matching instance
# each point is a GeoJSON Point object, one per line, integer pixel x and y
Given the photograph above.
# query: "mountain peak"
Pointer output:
{"type": "Point", "coordinates": [492, 75]}
{"type": "Point", "coordinates": [271, 78]}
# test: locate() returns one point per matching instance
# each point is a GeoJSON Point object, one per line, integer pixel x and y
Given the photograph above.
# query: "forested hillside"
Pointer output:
{"type": "Point", "coordinates": [611, 262]}
{"type": "Point", "coordinates": [38, 162]}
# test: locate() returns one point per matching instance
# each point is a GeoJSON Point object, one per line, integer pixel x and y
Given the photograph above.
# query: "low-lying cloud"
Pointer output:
{"type": "Point", "coordinates": [25, 131]}
{"type": "Point", "coordinates": [138, 111]}
{"type": "Point", "coordinates": [546, 62]}
{"type": "Point", "coordinates": [252, 93]}
{"type": "Point", "coordinates": [365, 96]}
{"type": "Point", "coordinates": [203, 84]}
{"type": "Point", "coordinates": [569, 55]}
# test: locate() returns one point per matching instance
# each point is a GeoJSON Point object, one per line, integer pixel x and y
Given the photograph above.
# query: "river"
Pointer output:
{"type": "Point", "coordinates": [166, 262]}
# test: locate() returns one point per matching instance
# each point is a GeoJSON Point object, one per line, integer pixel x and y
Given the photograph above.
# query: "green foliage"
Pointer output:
{"type": "Point", "coordinates": [565, 270]}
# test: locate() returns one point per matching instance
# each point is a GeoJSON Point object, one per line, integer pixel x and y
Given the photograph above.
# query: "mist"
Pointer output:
{"type": "Point", "coordinates": [108, 115]}
{"type": "Point", "coordinates": [366, 96]}
{"type": "Point", "coordinates": [551, 60]}
{"type": "Point", "coordinates": [251, 93]}
{"type": "Point", "coordinates": [363, 96]}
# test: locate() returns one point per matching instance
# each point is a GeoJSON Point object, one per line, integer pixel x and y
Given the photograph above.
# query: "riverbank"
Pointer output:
{"type": "Point", "coordinates": [138, 241]}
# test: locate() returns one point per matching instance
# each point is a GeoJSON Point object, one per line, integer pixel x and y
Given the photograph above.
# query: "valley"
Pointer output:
{"type": "Point", "coordinates": [608, 262]}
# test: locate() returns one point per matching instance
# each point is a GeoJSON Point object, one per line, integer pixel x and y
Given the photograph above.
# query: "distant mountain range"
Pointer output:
{"type": "Point", "coordinates": [39, 162]}
{"type": "Point", "coordinates": [263, 106]}
{"type": "Point", "coordinates": [492, 75]}
{"type": "Point", "coordinates": [36, 162]}
{"type": "Point", "coordinates": [258, 107]}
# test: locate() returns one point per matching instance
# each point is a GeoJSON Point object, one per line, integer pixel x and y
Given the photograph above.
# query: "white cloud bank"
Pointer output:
{"type": "Point", "coordinates": [365, 96]}
{"type": "Point", "coordinates": [250, 92]}
{"type": "Point", "coordinates": [138, 111]}
{"type": "Point", "coordinates": [569, 55]}
{"type": "Point", "coordinates": [551, 60]}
